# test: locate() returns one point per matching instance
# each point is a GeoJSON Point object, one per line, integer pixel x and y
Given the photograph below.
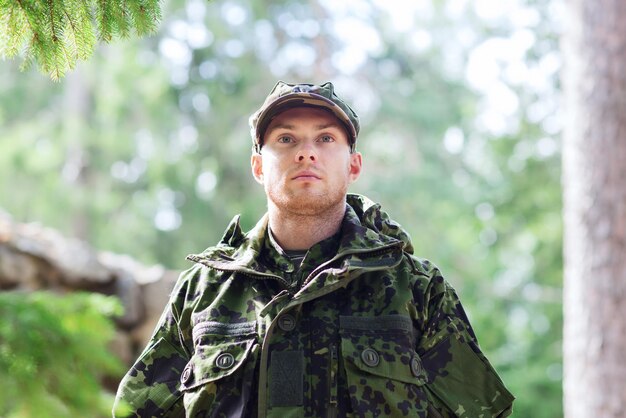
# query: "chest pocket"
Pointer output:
{"type": "Point", "coordinates": [384, 374]}
{"type": "Point", "coordinates": [218, 377]}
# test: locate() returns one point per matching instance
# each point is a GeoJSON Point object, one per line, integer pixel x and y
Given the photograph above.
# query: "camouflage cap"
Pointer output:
{"type": "Point", "coordinates": [285, 96]}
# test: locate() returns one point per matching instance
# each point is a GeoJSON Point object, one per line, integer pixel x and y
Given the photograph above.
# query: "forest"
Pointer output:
{"type": "Point", "coordinates": [143, 149]}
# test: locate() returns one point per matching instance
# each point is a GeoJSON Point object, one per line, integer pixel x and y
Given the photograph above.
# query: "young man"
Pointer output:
{"type": "Point", "coordinates": [321, 310]}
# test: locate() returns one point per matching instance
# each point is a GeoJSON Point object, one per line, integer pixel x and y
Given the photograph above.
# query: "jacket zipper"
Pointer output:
{"type": "Point", "coordinates": [262, 405]}
{"type": "Point", "coordinates": [370, 253]}
{"type": "Point", "coordinates": [239, 271]}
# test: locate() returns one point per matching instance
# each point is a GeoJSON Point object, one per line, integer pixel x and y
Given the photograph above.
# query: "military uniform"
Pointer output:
{"type": "Point", "coordinates": [362, 328]}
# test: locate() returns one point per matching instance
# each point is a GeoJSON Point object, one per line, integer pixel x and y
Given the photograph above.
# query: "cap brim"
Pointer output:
{"type": "Point", "coordinates": [308, 99]}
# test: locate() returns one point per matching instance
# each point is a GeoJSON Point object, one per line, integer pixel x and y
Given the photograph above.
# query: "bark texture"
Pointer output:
{"type": "Point", "coordinates": [594, 180]}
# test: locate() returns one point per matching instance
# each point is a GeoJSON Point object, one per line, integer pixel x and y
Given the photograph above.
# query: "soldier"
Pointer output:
{"type": "Point", "coordinates": [321, 310]}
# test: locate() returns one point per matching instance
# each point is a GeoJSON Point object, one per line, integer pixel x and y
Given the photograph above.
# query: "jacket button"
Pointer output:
{"type": "Point", "coordinates": [416, 366]}
{"type": "Point", "coordinates": [287, 322]}
{"type": "Point", "coordinates": [370, 357]}
{"type": "Point", "coordinates": [186, 374]}
{"type": "Point", "coordinates": [225, 361]}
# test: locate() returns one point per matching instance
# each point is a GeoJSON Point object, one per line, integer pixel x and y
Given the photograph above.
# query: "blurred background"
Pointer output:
{"type": "Point", "coordinates": [144, 149]}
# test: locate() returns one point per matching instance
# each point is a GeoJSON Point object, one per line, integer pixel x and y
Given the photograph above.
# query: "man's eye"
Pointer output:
{"type": "Point", "coordinates": [327, 138]}
{"type": "Point", "coordinates": [285, 140]}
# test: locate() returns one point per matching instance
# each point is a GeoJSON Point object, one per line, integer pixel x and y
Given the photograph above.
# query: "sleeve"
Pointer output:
{"type": "Point", "coordinates": [461, 381]}
{"type": "Point", "coordinates": [151, 386]}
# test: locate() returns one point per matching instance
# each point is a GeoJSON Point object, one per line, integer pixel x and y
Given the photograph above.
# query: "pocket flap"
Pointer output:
{"type": "Point", "coordinates": [212, 362]}
{"type": "Point", "coordinates": [382, 346]}
{"type": "Point", "coordinates": [383, 359]}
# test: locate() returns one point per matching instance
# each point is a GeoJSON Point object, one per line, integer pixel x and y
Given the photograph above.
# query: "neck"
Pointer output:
{"type": "Point", "coordinates": [297, 231]}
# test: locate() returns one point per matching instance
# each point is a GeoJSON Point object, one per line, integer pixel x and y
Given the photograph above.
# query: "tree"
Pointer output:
{"type": "Point", "coordinates": [58, 33]}
{"type": "Point", "coordinates": [594, 168]}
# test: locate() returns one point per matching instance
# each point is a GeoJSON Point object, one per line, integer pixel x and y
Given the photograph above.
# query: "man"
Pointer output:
{"type": "Point", "coordinates": [321, 310]}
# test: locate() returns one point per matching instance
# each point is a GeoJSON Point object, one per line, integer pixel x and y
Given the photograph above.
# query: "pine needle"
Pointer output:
{"type": "Point", "coordinates": [56, 34]}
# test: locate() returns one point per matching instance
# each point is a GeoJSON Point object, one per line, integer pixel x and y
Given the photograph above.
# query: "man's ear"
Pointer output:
{"type": "Point", "coordinates": [356, 164]}
{"type": "Point", "coordinates": [256, 161]}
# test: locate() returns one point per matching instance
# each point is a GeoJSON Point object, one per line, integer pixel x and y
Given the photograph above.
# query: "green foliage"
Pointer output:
{"type": "Point", "coordinates": [155, 160]}
{"type": "Point", "coordinates": [53, 354]}
{"type": "Point", "coordinates": [58, 33]}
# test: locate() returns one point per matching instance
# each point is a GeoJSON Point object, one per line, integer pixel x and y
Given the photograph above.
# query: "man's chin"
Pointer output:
{"type": "Point", "coordinates": [309, 202]}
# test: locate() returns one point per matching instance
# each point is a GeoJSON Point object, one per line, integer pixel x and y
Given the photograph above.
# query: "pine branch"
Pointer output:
{"type": "Point", "coordinates": [57, 33]}
{"type": "Point", "coordinates": [52, 20]}
{"type": "Point", "coordinates": [86, 38]}
{"type": "Point", "coordinates": [72, 35]}
{"type": "Point", "coordinates": [14, 30]}
{"type": "Point", "coordinates": [104, 21]}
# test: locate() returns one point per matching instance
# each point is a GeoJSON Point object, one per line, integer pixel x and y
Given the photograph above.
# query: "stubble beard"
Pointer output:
{"type": "Point", "coordinates": [307, 202]}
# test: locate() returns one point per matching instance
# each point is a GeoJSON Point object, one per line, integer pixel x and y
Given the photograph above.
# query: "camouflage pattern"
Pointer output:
{"type": "Point", "coordinates": [285, 96]}
{"type": "Point", "coordinates": [363, 328]}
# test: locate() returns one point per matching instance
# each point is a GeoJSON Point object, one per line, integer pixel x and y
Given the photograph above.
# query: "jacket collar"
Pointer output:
{"type": "Point", "coordinates": [364, 233]}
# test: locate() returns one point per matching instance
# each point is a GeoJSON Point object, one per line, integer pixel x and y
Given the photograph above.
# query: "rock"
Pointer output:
{"type": "Point", "coordinates": [128, 291]}
{"type": "Point", "coordinates": [18, 270]}
{"type": "Point", "coordinates": [121, 346]}
{"type": "Point", "coordinates": [35, 258]}
{"type": "Point", "coordinates": [155, 297]}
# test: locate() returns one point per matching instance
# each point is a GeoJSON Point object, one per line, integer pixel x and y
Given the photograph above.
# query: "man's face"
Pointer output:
{"type": "Point", "coordinates": [305, 164]}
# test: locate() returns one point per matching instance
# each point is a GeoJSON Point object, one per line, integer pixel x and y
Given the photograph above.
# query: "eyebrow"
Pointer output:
{"type": "Point", "coordinates": [291, 127]}
{"type": "Point", "coordinates": [281, 126]}
{"type": "Point", "coordinates": [328, 125]}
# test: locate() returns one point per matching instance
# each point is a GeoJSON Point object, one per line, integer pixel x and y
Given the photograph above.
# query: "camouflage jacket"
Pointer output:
{"type": "Point", "coordinates": [362, 329]}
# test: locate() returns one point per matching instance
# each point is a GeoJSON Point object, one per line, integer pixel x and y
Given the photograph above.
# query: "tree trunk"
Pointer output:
{"type": "Point", "coordinates": [77, 108]}
{"type": "Point", "coordinates": [594, 183]}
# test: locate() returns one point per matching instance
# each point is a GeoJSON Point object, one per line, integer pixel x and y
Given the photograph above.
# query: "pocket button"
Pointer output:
{"type": "Point", "coordinates": [186, 374]}
{"type": "Point", "coordinates": [370, 357]}
{"type": "Point", "coordinates": [287, 322]}
{"type": "Point", "coordinates": [416, 367]}
{"type": "Point", "coordinates": [225, 361]}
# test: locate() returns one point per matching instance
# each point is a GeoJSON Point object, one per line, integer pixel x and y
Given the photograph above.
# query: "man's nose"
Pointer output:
{"type": "Point", "coordinates": [306, 153]}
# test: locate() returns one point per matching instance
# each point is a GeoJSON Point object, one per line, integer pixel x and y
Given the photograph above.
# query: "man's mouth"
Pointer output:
{"type": "Point", "coordinates": [306, 175]}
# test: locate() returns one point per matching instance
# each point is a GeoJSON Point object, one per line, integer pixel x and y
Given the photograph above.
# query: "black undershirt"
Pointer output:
{"type": "Point", "coordinates": [296, 256]}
